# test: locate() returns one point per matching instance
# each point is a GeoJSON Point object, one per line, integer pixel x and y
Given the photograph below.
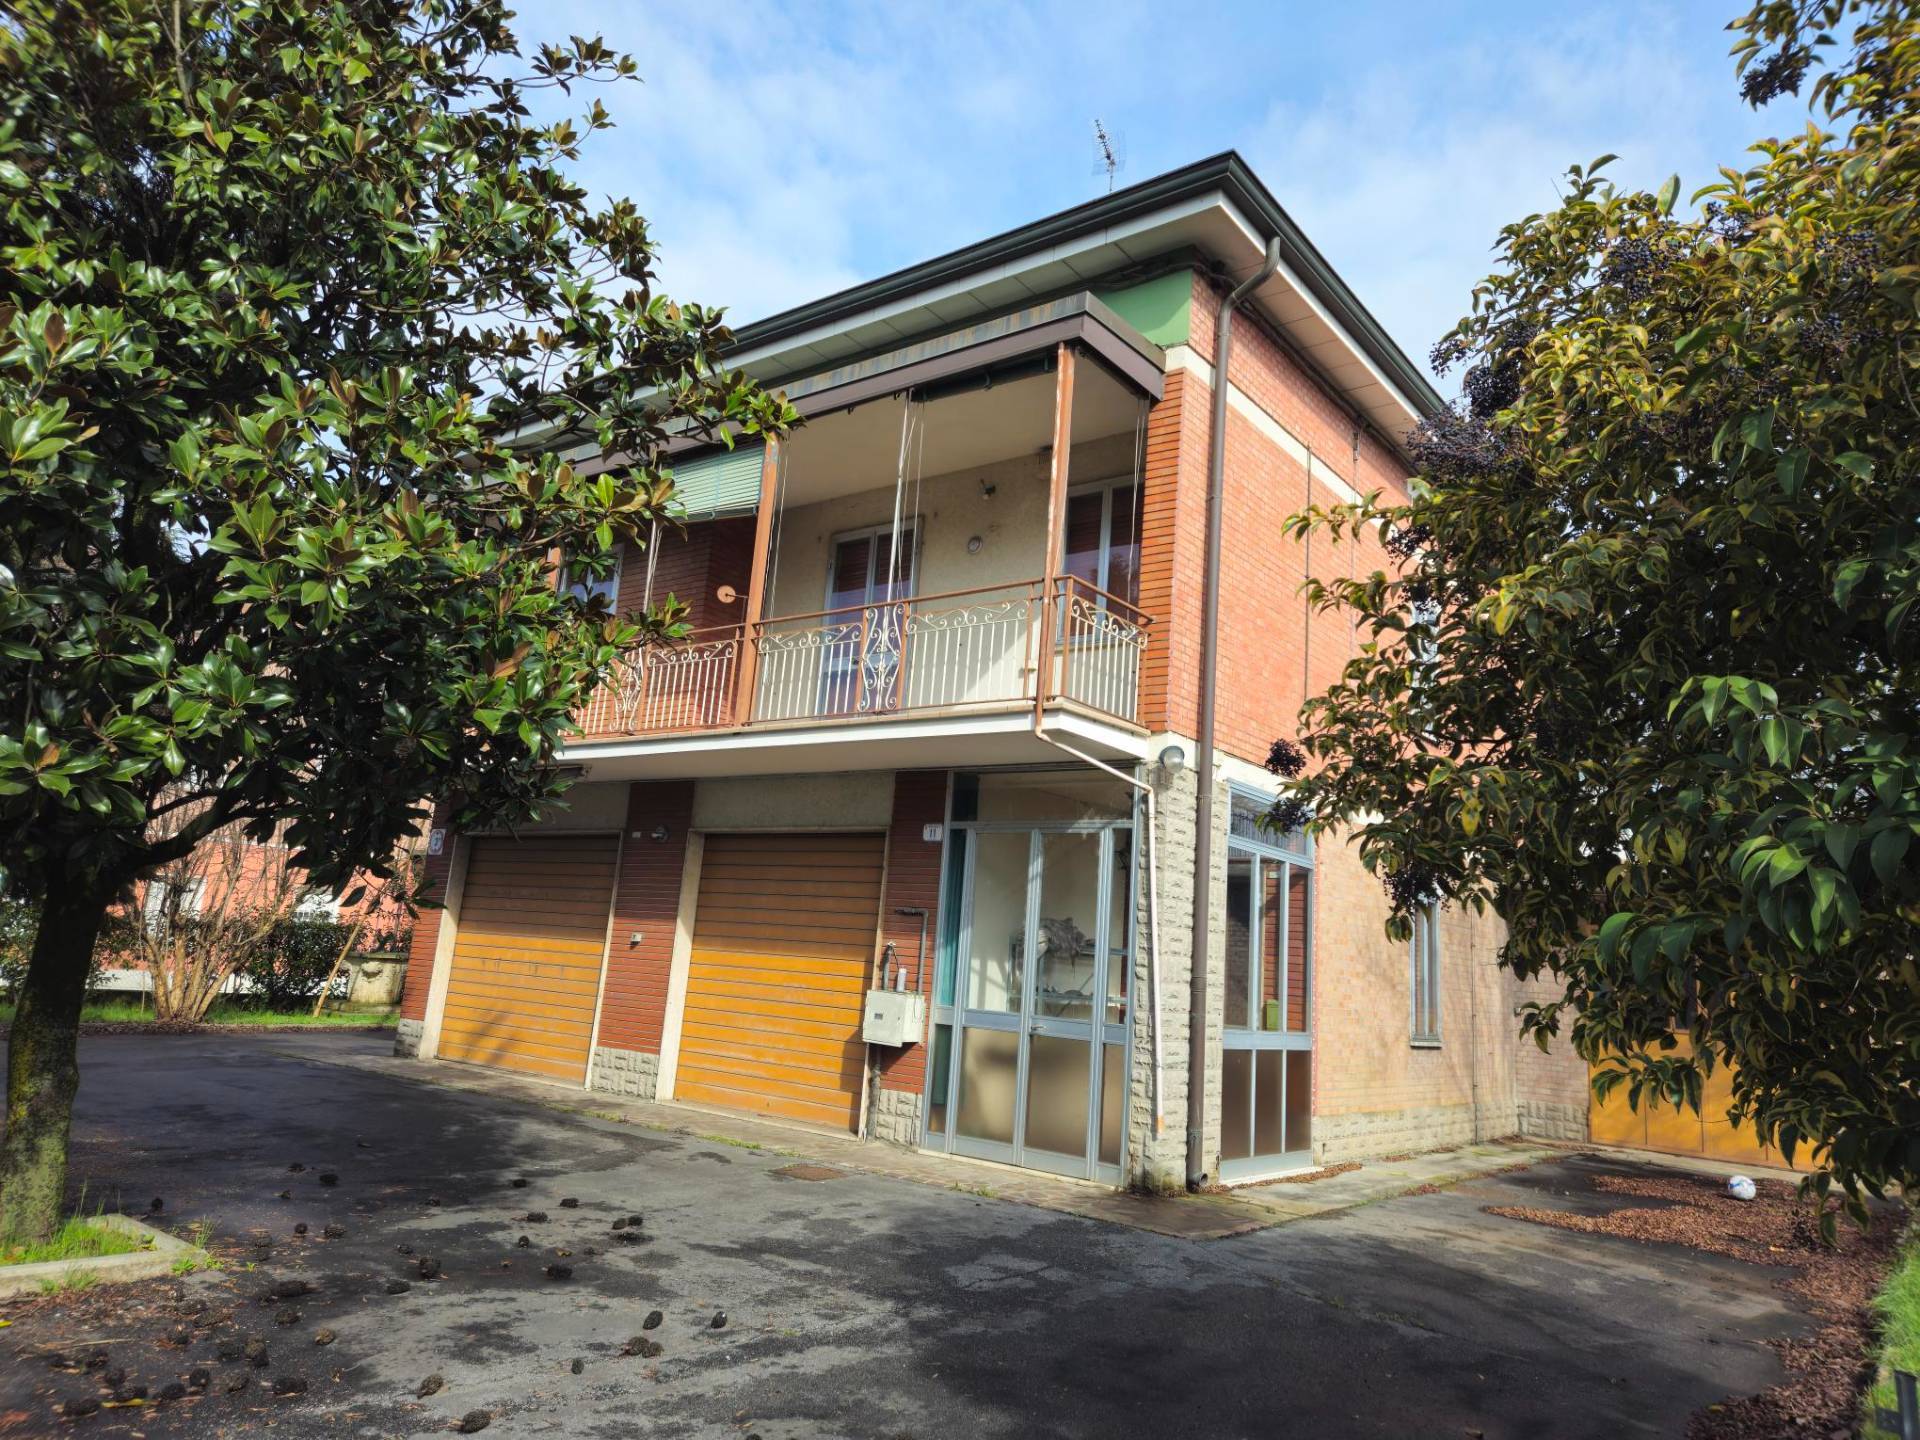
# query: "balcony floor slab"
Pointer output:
{"type": "Point", "coordinates": [898, 742]}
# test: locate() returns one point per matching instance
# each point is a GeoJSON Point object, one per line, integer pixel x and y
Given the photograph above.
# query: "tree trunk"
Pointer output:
{"type": "Point", "coordinates": [43, 1070]}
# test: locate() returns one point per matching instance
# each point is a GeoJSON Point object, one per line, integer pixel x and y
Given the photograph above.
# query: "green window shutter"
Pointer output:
{"type": "Point", "coordinates": [718, 482]}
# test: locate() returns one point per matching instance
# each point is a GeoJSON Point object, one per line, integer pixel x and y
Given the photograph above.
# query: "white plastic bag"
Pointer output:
{"type": "Point", "coordinates": [1741, 1188]}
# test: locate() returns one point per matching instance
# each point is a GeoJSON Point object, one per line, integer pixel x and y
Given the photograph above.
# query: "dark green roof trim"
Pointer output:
{"type": "Point", "coordinates": [1226, 172]}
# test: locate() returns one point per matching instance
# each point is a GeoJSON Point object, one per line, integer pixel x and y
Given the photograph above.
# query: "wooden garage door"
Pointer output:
{"type": "Point", "coordinates": [783, 938]}
{"type": "Point", "coordinates": [526, 956]}
{"type": "Point", "coordinates": [1679, 1130]}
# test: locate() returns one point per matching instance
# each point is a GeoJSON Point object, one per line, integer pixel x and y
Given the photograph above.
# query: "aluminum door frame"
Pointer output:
{"type": "Point", "coordinates": [1100, 1033]}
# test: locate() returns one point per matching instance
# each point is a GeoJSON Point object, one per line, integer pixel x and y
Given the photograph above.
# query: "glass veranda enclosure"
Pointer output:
{"type": "Point", "coordinates": [1266, 1080]}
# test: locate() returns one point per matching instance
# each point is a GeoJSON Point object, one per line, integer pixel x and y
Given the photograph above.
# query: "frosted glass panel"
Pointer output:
{"type": "Point", "coordinates": [999, 920]}
{"type": "Point", "coordinates": [941, 1063]}
{"type": "Point", "coordinates": [1069, 921]}
{"type": "Point", "coordinates": [1057, 1094]}
{"type": "Point", "coordinates": [989, 1070]}
{"type": "Point", "coordinates": [1266, 1102]}
{"type": "Point", "coordinates": [1239, 940]}
{"type": "Point", "coordinates": [1299, 1099]}
{"type": "Point", "coordinates": [1113, 1102]}
{"type": "Point", "coordinates": [1236, 1100]}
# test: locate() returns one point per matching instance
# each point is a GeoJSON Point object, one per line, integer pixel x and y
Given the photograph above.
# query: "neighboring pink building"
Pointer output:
{"type": "Point", "coordinates": [937, 732]}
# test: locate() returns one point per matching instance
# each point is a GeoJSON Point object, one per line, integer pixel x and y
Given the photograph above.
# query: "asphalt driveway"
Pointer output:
{"type": "Point", "coordinates": [857, 1305]}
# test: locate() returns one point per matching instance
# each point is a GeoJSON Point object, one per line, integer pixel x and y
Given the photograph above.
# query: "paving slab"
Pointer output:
{"type": "Point", "coordinates": [1311, 1196]}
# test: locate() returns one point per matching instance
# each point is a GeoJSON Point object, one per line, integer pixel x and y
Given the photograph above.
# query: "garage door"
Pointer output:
{"type": "Point", "coordinates": [1678, 1130]}
{"type": "Point", "coordinates": [783, 938]}
{"type": "Point", "coordinates": [526, 955]}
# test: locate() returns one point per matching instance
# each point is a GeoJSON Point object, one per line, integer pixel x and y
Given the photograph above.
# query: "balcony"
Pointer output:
{"type": "Point", "coordinates": [1064, 642]}
{"type": "Point", "coordinates": [950, 555]}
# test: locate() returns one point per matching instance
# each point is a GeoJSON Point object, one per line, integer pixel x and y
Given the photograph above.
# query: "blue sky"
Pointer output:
{"type": "Point", "coordinates": [783, 151]}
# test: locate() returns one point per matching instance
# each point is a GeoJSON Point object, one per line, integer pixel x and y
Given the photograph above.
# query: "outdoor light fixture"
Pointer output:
{"type": "Point", "coordinates": [660, 834]}
{"type": "Point", "coordinates": [1174, 758]}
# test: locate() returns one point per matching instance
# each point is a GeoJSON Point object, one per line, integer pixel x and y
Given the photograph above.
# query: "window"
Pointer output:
{"type": "Point", "coordinates": [1103, 538]}
{"type": "Point", "coordinates": [863, 570]}
{"type": "Point", "coordinates": [586, 589]}
{"type": "Point", "coordinates": [1426, 975]}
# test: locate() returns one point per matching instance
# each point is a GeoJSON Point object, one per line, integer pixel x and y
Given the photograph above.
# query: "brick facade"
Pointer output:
{"type": "Point", "coordinates": [1375, 1092]}
{"type": "Point", "coordinates": [691, 565]}
{"type": "Point", "coordinates": [913, 881]}
{"type": "Point", "coordinates": [426, 926]}
{"type": "Point", "coordinates": [633, 1005]}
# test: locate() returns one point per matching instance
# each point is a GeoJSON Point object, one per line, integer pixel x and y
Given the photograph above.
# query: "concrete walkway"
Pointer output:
{"type": "Point", "coordinates": [1191, 1217]}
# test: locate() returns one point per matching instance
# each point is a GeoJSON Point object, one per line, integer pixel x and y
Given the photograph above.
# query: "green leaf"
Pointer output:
{"type": "Point", "coordinates": [1668, 193]}
{"type": "Point", "coordinates": [1889, 848]}
{"type": "Point", "coordinates": [1611, 930]}
{"type": "Point", "coordinates": [1842, 840]}
{"type": "Point", "coordinates": [1790, 473]}
{"type": "Point", "coordinates": [1855, 463]}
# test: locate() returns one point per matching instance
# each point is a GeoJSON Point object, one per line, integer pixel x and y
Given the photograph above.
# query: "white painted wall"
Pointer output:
{"type": "Point", "coordinates": [1011, 523]}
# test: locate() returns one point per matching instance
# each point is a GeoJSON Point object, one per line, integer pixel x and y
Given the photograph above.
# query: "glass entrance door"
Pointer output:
{"type": "Point", "coordinates": [1039, 1073]}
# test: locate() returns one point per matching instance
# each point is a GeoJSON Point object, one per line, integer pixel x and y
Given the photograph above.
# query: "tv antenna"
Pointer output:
{"type": "Point", "coordinates": [1109, 152]}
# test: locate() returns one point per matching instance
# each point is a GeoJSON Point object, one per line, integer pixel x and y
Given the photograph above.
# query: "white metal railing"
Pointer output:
{"type": "Point", "coordinates": [1102, 641]}
{"type": "Point", "coordinates": [993, 645]}
{"type": "Point", "coordinates": [686, 684]}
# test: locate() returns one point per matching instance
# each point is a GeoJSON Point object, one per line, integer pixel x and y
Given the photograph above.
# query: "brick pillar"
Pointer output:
{"type": "Point", "coordinates": [913, 879]}
{"type": "Point", "coordinates": [633, 1009]}
{"type": "Point", "coordinates": [425, 940]}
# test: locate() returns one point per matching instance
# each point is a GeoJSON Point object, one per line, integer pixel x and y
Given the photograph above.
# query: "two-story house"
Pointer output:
{"type": "Point", "coordinates": [974, 711]}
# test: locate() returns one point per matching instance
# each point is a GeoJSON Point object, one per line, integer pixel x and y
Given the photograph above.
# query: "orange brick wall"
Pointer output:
{"type": "Point", "coordinates": [426, 927]}
{"type": "Point", "coordinates": [692, 565]}
{"type": "Point", "coordinates": [633, 1007]}
{"type": "Point", "coordinates": [1274, 652]}
{"type": "Point", "coordinates": [913, 878]}
{"type": "Point", "coordinates": [1173, 516]}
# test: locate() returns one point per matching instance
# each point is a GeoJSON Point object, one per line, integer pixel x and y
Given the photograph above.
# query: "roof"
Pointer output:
{"type": "Point", "coordinates": [1217, 205]}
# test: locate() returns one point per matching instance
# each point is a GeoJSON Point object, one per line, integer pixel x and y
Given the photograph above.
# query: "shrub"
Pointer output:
{"type": "Point", "coordinates": [291, 964]}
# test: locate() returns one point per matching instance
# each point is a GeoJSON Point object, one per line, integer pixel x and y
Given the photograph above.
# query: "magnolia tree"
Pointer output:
{"type": "Point", "coordinates": [290, 297]}
{"type": "Point", "coordinates": [1645, 681]}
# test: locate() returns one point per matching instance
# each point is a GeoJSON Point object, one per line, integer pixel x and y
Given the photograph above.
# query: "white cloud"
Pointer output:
{"type": "Point", "coordinates": [1405, 177]}
{"type": "Point", "coordinates": [782, 152]}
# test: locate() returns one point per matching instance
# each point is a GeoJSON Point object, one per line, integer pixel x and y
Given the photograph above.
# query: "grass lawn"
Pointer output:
{"type": "Point", "coordinates": [1899, 1310]}
{"type": "Point", "coordinates": [78, 1239]}
{"type": "Point", "coordinates": [130, 1012]}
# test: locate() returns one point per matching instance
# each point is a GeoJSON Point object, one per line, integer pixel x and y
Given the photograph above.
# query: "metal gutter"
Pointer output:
{"type": "Point", "coordinates": [1226, 173]}
{"type": "Point", "coordinates": [1199, 998]}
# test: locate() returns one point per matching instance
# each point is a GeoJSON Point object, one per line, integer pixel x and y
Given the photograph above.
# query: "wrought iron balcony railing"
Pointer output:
{"type": "Point", "coordinates": [964, 650]}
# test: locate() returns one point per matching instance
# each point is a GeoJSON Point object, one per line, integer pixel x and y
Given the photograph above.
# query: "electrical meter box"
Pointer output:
{"type": "Point", "coordinates": [894, 1017]}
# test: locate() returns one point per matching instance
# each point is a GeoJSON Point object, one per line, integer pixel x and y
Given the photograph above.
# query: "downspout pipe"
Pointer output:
{"type": "Point", "coordinates": [1199, 996]}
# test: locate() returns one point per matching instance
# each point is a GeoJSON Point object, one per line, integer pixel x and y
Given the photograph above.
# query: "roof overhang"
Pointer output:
{"type": "Point", "coordinates": [1216, 207]}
